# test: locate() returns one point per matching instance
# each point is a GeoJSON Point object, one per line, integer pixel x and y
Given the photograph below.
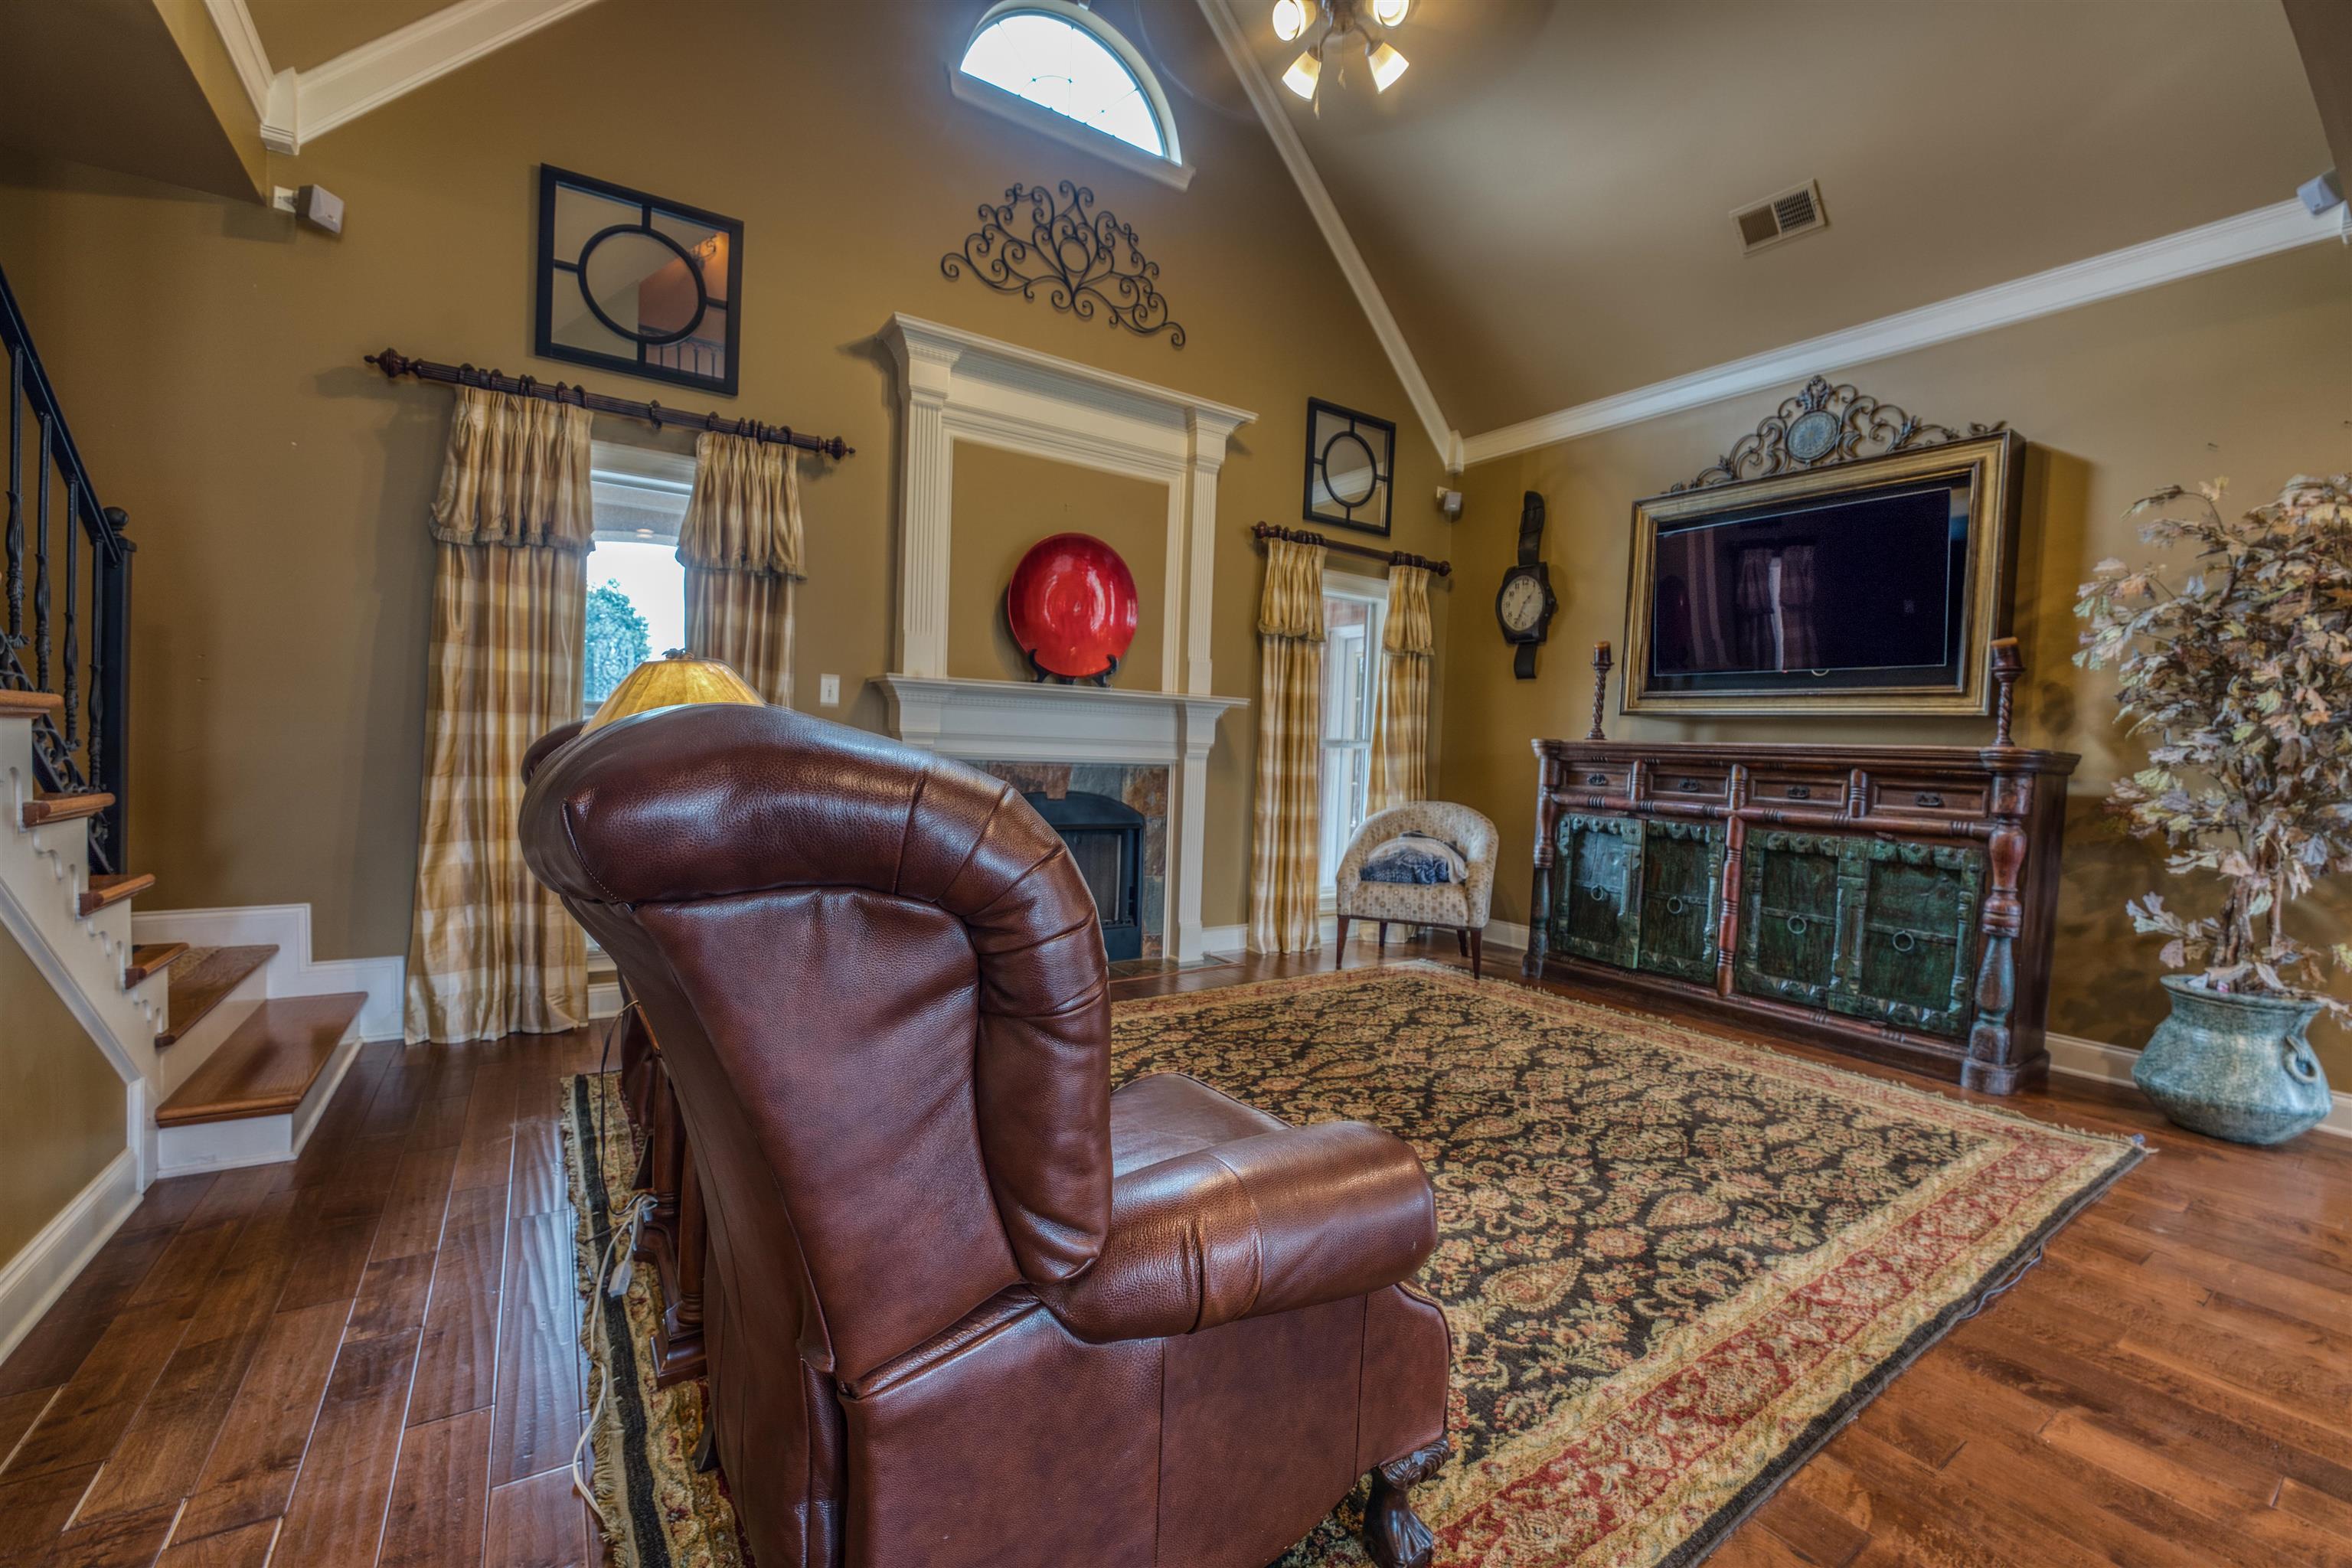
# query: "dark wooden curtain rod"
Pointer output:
{"type": "Point", "coordinates": [1263, 530]}
{"type": "Point", "coordinates": [395, 365]}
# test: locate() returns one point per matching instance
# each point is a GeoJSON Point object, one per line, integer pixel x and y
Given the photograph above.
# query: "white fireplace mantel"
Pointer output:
{"type": "Point", "coordinates": [1020, 722]}
{"type": "Point", "coordinates": [955, 385]}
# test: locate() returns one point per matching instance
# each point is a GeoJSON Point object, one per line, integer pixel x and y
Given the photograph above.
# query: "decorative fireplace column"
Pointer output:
{"type": "Point", "coordinates": [956, 386]}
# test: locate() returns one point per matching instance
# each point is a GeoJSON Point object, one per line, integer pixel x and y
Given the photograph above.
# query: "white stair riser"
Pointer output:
{"type": "Point", "coordinates": [207, 1146]}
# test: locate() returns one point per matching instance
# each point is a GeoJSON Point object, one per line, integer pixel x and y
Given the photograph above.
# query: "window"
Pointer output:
{"type": "Point", "coordinates": [637, 589]}
{"type": "Point", "coordinates": [1352, 612]}
{"type": "Point", "coordinates": [1056, 66]}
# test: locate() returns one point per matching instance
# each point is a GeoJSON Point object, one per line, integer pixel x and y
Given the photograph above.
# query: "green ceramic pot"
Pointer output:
{"type": "Point", "coordinates": [2234, 1067]}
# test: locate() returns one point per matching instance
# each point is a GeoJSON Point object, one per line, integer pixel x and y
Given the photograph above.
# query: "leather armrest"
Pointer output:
{"type": "Point", "coordinates": [1265, 1224]}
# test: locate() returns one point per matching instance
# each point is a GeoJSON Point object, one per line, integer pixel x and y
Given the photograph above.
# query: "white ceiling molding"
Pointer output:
{"type": "Point", "coordinates": [1221, 21]}
{"type": "Point", "coordinates": [2245, 237]}
{"type": "Point", "coordinates": [243, 41]}
{"type": "Point", "coordinates": [297, 106]}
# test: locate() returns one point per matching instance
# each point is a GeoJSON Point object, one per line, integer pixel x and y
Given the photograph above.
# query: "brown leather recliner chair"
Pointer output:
{"type": "Point", "coordinates": [965, 1305]}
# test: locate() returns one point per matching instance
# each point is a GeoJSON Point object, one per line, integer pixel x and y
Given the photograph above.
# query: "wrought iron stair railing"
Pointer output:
{"type": "Point", "coordinates": [67, 599]}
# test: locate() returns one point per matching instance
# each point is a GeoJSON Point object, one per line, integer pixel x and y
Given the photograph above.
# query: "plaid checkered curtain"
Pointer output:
{"type": "Point", "coordinates": [741, 545]}
{"type": "Point", "coordinates": [1286, 877]}
{"type": "Point", "coordinates": [1401, 745]}
{"type": "Point", "coordinates": [490, 952]}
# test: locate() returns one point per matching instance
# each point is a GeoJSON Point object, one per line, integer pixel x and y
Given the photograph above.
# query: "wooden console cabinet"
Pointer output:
{"type": "Point", "coordinates": [1896, 902]}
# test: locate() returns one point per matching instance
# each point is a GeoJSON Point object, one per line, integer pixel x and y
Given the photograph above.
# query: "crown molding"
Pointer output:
{"type": "Point", "coordinates": [1285, 136]}
{"type": "Point", "coordinates": [294, 107]}
{"type": "Point", "coordinates": [2265, 231]}
{"type": "Point", "coordinates": [243, 41]}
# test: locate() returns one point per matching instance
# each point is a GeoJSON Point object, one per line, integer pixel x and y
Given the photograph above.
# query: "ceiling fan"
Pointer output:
{"type": "Point", "coordinates": [1349, 27]}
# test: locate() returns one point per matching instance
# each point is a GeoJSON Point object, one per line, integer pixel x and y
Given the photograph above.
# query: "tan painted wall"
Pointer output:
{"type": "Point", "coordinates": [208, 355]}
{"type": "Point", "coordinates": [61, 1106]}
{"type": "Point", "coordinates": [2246, 373]}
{"type": "Point", "coordinates": [1007, 501]}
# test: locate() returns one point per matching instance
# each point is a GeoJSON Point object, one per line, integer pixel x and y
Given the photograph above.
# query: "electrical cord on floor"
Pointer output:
{"type": "Point", "coordinates": [611, 1282]}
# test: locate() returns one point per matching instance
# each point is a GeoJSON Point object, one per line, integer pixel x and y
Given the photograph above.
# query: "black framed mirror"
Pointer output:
{"type": "Point", "coordinates": [636, 283]}
{"type": "Point", "coordinates": [1349, 463]}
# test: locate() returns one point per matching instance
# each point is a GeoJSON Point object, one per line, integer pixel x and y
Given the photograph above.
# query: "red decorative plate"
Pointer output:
{"type": "Point", "coordinates": [1072, 606]}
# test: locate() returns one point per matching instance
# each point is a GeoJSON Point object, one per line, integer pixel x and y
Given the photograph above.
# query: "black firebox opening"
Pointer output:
{"type": "Point", "coordinates": [1106, 840]}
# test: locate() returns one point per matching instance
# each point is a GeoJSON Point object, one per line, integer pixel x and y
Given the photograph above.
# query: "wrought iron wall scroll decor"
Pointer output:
{"type": "Point", "coordinates": [1822, 426]}
{"type": "Point", "coordinates": [1085, 259]}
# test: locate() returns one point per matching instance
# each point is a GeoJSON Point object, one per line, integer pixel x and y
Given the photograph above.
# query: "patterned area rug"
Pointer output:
{"type": "Point", "coordinates": [1673, 1265]}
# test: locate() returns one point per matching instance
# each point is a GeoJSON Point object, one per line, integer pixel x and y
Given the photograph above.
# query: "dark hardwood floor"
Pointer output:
{"type": "Point", "coordinates": [371, 1356]}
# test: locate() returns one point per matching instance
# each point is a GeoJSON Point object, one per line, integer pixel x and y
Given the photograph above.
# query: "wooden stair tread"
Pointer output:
{"type": "Point", "coordinates": [147, 959]}
{"type": "Point", "coordinates": [46, 807]}
{"type": "Point", "coordinates": [105, 890]}
{"type": "Point", "coordinates": [30, 704]}
{"type": "Point", "coordinates": [268, 1064]}
{"type": "Point", "coordinates": [201, 977]}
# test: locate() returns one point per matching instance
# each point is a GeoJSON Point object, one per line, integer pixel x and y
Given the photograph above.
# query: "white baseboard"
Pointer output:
{"type": "Point", "coordinates": [293, 972]}
{"type": "Point", "coordinates": [208, 1147]}
{"type": "Point", "coordinates": [32, 1282]}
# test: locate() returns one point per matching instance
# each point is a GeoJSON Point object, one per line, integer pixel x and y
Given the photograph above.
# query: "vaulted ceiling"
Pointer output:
{"type": "Point", "coordinates": [1543, 197]}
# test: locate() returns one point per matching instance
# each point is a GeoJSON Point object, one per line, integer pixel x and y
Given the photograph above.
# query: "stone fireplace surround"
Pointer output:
{"type": "Point", "coordinates": [955, 387]}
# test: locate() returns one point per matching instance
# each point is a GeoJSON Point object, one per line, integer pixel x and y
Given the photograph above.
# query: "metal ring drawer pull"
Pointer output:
{"type": "Point", "coordinates": [1691, 785]}
{"type": "Point", "coordinates": [1798, 925]}
{"type": "Point", "coordinates": [1673, 905]}
{"type": "Point", "coordinates": [1928, 798]}
{"type": "Point", "coordinates": [1596, 778]}
{"type": "Point", "coordinates": [1902, 941]}
{"type": "Point", "coordinates": [1800, 792]}
{"type": "Point", "coordinates": [1598, 895]}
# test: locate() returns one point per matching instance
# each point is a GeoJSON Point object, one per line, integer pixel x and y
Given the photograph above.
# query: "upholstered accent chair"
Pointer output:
{"type": "Point", "coordinates": [965, 1305]}
{"type": "Point", "coordinates": [1459, 907]}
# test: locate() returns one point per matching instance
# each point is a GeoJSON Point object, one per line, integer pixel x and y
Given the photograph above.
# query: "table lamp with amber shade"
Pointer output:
{"type": "Point", "coordinates": [675, 679]}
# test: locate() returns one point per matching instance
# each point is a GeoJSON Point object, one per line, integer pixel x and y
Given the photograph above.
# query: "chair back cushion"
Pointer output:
{"type": "Point", "coordinates": [878, 984]}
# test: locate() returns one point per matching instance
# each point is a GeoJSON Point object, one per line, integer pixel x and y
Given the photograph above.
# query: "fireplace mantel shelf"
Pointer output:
{"type": "Point", "coordinates": [1031, 721]}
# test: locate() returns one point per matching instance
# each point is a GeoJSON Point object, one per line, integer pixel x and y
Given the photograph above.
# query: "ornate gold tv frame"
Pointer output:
{"type": "Point", "coordinates": [1826, 441]}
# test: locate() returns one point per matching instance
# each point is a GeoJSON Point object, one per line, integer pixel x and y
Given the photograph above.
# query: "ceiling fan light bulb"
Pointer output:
{"type": "Point", "coordinates": [1387, 66]}
{"type": "Point", "coordinates": [1303, 74]}
{"type": "Point", "coordinates": [1289, 19]}
{"type": "Point", "coordinates": [1389, 12]}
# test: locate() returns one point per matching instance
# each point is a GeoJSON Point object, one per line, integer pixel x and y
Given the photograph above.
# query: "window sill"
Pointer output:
{"type": "Point", "coordinates": [1063, 128]}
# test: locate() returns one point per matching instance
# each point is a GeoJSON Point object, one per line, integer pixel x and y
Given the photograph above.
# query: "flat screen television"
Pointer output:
{"type": "Point", "coordinates": [1870, 586]}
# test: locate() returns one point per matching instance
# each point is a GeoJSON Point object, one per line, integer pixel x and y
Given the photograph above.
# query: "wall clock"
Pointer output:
{"type": "Point", "coordinates": [1349, 459]}
{"type": "Point", "coordinates": [636, 283]}
{"type": "Point", "coordinates": [1524, 603]}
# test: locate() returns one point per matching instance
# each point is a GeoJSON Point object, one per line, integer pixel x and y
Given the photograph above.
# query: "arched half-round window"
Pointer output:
{"type": "Point", "coordinates": [1065, 60]}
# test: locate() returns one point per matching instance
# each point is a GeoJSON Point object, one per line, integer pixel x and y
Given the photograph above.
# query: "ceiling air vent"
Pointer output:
{"type": "Point", "coordinates": [1784, 216]}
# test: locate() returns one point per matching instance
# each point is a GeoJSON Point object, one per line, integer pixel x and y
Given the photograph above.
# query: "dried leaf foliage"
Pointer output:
{"type": "Point", "coordinates": [2240, 675]}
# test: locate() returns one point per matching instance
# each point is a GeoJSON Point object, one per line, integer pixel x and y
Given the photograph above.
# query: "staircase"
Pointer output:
{"type": "Point", "coordinates": [217, 1072]}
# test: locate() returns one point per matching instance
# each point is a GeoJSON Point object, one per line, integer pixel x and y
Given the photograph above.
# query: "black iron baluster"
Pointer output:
{"type": "Point", "coordinates": [110, 687]}
{"type": "Point", "coordinates": [41, 567]}
{"type": "Point", "coordinates": [16, 511]}
{"type": "Point", "coordinates": [72, 648]}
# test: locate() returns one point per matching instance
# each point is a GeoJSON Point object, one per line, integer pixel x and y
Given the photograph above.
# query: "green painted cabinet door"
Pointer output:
{"type": "Point", "coordinates": [1911, 924]}
{"type": "Point", "coordinates": [1682, 884]}
{"type": "Point", "coordinates": [1596, 892]}
{"type": "Point", "coordinates": [1789, 922]}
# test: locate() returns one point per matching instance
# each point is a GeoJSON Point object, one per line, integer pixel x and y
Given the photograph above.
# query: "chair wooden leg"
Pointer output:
{"type": "Point", "coordinates": [1478, 953]}
{"type": "Point", "coordinates": [1340, 947]}
{"type": "Point", "coordinates": [1394, 1536]}
{"type": "Point", "coordinates": [1461, 940]}
{"type": "Point", "coordinates": [1384, 936]}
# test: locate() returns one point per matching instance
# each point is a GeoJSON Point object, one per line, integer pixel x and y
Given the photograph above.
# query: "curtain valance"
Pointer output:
{"type": "Point", "coordinates": [745, 514]}
{"type": "Point", "coordinates": [516, 473]}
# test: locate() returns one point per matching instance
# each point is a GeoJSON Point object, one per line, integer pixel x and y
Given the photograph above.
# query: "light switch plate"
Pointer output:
{"type": "Point", "coordinates": [828, 690]}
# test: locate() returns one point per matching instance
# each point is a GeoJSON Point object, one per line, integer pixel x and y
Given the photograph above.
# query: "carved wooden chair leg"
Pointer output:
{"type": "Point", "coordinates": [1394, 1536]}
{"type": "Point", "coordinates": [1340, 947]}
